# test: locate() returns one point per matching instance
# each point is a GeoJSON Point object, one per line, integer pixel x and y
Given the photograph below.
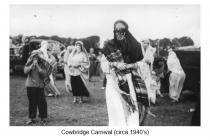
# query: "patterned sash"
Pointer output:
{"type": "Point", "coordinates": [139, 84]}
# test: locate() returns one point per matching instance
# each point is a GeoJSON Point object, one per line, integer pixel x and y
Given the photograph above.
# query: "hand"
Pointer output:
{"type": "Point", "coordinates": [32, 66]}
{"type": "Point", "coordinates": [37, 66]}
{"type": "Point", "coordinates": [35, 63]}
{"type": "Point", "coordinates": [77, 66]}
{"type": "Point", "coordinates": [129, 66]}
{"type": "Point", "coordinates": [120, 65]}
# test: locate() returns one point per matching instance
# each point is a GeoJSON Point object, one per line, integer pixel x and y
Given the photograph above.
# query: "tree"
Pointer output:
{"type": "Point", "coordinates": [163, 43]}
{"type": "Point", "coordinates": [175, 42]}
{"type": "Point", "coordinates": [186, 41]}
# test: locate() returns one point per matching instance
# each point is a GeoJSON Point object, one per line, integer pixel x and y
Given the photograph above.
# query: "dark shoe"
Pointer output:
{"type": "Point", "coordinates": [43, 121]}
{"type": "Point", "coordinates": [174, 101]}
{"type": "Point", "coordinates": [56, 96]}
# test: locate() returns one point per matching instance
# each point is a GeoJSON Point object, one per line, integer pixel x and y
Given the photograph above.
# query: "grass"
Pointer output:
{"type": "Point", "coordinates": [62, 112]}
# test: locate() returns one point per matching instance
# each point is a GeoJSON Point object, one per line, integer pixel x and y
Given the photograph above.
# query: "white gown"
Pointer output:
{"type": "Point", "coordinates": [117, 113]}
{"type": "Point", "coordinates": [51, 86]}
{"type": "Point", "coordinates": [177, 77]}
{"type": "Point", "coordinates": [66, 69]}
{"type": "Point", "coordinates": [146, 72]}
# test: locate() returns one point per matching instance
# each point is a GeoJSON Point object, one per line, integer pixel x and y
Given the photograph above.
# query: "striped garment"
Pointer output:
{"type": "Point", "coordinates": [44, 63]}
{"type": "Point", "coordinates": [139, 84]}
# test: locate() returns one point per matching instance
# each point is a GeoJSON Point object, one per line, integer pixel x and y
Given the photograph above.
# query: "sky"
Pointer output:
{"type": "Point", "coordinates": [78, 21]}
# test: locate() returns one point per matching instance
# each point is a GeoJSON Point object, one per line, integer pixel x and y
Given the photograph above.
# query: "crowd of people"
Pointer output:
{"type": "Point", "coordinates": [127, 68]}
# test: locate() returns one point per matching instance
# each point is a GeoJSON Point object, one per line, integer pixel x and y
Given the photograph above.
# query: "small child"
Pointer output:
{"type": "Point", "coordinates": [155, 84]}
{"type": "Point", "coordinates": [35, 84]}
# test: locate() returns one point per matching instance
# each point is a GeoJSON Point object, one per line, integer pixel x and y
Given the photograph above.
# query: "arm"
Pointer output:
{"type": "Point", "coordinates": [27, 69]}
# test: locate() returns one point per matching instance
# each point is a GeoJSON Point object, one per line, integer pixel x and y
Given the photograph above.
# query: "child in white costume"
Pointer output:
{"type": "Point", "coordinates": [177, 77]}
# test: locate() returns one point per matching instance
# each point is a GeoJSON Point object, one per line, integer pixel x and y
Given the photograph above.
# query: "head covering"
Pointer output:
{"type": "Point", "coordinates": [74, 51]}
{"type": "Point", "coordinates": [80, 43]}
{"type": "Point", "coordinates": [120, 24]}
{"type": "Point", "coordinates": [84, 69]}
{"type": "Point", "coordinates": [130, 47]}
{"type": "Point", "coordinates": [159, 65]}
{"type": "Point", "coordinates": [43, 49]}
{"type": "Point", "coordinates": [35, 53]}
{"type": "Point", "coordinates": [145, 41]}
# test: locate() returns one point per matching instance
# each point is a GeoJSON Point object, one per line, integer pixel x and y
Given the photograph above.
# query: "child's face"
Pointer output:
{"type": "Point", "coordinates": [91, 50]}
{"type": "Point", "coordinates": [35, 59]}
{"type": "Point", "coordinates": [145, 44]}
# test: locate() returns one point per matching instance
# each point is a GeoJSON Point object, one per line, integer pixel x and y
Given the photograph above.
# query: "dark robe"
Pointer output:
{"type": "Point", "coordinates": [127, 51]}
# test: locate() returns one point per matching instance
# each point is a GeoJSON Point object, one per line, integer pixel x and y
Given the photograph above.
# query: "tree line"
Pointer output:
{"type": "Point", "coordinates": [93, 41]}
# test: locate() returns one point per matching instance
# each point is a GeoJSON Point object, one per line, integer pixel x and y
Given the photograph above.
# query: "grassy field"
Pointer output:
{"type": "Point", "coordinates": [62, 112]}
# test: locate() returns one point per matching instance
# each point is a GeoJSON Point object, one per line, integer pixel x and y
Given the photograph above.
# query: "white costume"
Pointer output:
{"type": "Point", "coordinates": [47, 57]}
{"type": "Point", "coordinates": [66, 69]}
{"type": "Point", "coordinates": [117, 111]}
{"type": "Point", "coordinates": [177, 77]}
{"type": "Point", "coordinates": [147, 71]}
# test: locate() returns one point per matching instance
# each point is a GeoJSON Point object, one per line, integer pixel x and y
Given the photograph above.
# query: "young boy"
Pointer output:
{"type": "Point", "coordinates": [35, 88]}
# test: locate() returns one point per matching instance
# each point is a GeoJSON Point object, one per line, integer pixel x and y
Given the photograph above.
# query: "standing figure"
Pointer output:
{"type": "Point", "coordinates": [47, 55]}
{"type": "Point", "coordinates": [38, 77]}
{"type": "Point", "coordinates": [177, 76]}
{"type": "Point", "coordinates": [78, 64]}
{"type": "Point", "coordinates": [147, 66]}
{"type": "Point", "coordinates": [92, 58]}
{"type": "Point", "coordinates": [98, 68]}
{"type": "Point", "coordinates": [126, 94]}
{"type": "Point", "coordinates": [66, 69]}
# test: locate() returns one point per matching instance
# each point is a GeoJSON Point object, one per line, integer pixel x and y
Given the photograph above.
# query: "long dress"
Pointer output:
{"type": "Point", "coordinates": [51, 59]}
{"type": "Point", "coordinates": [146, 67]}
{"type": "Point", "coordinates": [126, 92]}
{"type": "Point", "coordinates": [117, 109]}
{"type": "Point", "coordinates": [77, 77]}
{"type": "Point", "coordinates": [66, 69]}
{"type": "Point", "coordinates": [51, 87]}
{"type": "Point", "coordinates": [177, 76]}
{"type": "Point", "coordinates": [98, 68]}
{"type": "Point", "coordinates": [92, 69]}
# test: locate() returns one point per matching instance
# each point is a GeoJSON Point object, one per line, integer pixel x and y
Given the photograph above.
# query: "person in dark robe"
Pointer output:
{"type": "Point", "coordinates": [92, 59]}
{"type": "Point", "coordinates": [121, 55]}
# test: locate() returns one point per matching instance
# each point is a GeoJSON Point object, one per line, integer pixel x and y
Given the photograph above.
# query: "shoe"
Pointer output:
{"type": "Point", "coordinates": [57, 95]}
{"type": "Point", "coordinates": [50, 95]}
{"type": "Point", "coordinates": [74, 101]}
{"type": "Point", "coordinates": [174, 101]}
{"type": "Point", "coordinates": [80, 102]}
{"type": "Point", "coordinates": [43, 121]}
{"type": "Point", "coordinates": [191, 110]}
{"type": "Point", "coordinates": [30, 121]}
{"type": "Point", "coordinates": [102, 87]}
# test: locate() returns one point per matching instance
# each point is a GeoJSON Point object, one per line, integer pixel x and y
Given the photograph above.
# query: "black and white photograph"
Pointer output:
{"type": "Point", "coordinates": [104, 65]}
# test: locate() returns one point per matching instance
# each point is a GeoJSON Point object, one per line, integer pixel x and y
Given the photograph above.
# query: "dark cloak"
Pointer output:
{"type": "Point", "coordinates": [129, 47]}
